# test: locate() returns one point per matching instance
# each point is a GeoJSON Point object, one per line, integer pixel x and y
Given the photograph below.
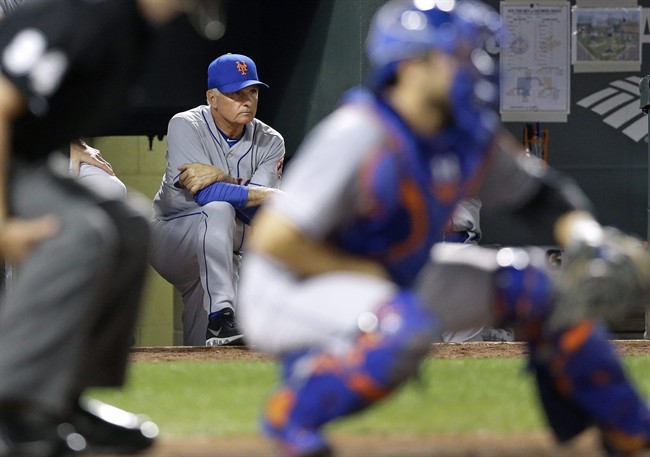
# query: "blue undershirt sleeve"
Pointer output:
{"type": "Point", "coordinates": [234, 194]}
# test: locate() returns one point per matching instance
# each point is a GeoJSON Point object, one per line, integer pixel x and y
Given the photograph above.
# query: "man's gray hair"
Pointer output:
{"type": "Point", "coordinates": [214, 90]}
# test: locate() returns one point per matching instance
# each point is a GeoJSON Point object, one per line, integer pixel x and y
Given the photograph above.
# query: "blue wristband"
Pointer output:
{"type": "Point", "coordinates": [234, 194]}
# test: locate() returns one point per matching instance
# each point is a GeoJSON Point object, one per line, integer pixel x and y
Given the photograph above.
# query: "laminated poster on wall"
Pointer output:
{"type": "Point", "coordinates": [535, 61]}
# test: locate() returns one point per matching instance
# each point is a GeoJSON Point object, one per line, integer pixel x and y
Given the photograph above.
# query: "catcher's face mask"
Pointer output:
{"type": "Point", "coordinates": [467, 30]}
{"type": "Point", "coordinates": [208, 18]}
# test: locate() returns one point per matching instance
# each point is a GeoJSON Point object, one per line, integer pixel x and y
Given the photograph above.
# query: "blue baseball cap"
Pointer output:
{"type": "Point", "coordinates": [232, 72]}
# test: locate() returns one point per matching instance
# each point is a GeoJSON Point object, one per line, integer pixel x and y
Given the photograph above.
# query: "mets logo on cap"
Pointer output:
{"type": "Point", "coordinates": [232, 72]}
{"type": "Point", "coordinates": [242, 67]}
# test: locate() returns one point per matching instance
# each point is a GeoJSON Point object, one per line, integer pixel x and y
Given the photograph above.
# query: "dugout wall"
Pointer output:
{"type": "Point", "coordinates": [310, 52]}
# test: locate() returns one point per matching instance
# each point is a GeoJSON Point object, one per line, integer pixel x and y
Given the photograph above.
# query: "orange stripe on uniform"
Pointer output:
{"type": "Point", "coordinates": [576, 337]}
{"type": "Point", "coordinates": [564, 386]}
{"type": "Point", "coordinates": [326, 363]}
{"type": "Point", "coordinates": [601, 378]}
{"type": "Point", "coordinates": [446, 193]}
{"type": "Point", "coordinates": [524, 305]}
{"type": "Point", "coordinates": [625, 442]}
{"type": "Point", "coordinates": [279, 407]}
{"type": "Point", "coordinates": [366, 342]}
{"type": "Point", "coordinates": [473, 185]}
{"type": "Point", "coordinates": [415, 204]}
{"type": "Point", "coordinates": [365, 386]}
{"type": "Point", "coordinates": [366, 182]}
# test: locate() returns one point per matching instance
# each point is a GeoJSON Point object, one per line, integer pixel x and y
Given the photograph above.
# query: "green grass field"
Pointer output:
{"type": "Point", "coordinates": [223, 398]}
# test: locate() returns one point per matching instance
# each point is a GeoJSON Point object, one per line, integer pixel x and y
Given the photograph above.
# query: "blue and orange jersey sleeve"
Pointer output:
{"type": "Point", "coordinates": [378, 181]}
{"type": "Point", "coordinates": [394, 225]}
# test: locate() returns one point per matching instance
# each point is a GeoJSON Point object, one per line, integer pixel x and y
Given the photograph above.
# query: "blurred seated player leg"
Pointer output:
{"type": "Point", "coordinates": [464, 227]}
{"type": "Point", "coordinates": [94, 172]}
{"type": "Point", "coordinates": [222, 164]}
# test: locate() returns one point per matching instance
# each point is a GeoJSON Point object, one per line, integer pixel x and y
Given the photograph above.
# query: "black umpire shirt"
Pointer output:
{"type": "Point", "coordinates": [74, 61]}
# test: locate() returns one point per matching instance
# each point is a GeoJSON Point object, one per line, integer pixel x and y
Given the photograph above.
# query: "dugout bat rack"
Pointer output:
{"type": "Point", "coordinates": [536, 141]}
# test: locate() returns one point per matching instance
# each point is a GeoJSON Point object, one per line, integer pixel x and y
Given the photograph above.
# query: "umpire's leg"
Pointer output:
{"type": "Point", "coordinates": [111, 339]}
{"type": "Point", "coordinates": [46, 323]}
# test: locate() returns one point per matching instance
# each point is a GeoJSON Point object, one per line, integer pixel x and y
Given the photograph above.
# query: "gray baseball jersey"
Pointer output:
{"type": "Point", "coordinates": [192, 137]}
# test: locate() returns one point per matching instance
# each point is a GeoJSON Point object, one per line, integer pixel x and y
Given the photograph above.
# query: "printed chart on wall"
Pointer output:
{"type": "Point", "coordinates": [535, 61]}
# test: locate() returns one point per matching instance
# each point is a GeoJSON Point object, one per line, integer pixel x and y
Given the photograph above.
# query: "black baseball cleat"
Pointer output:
{"type": "Point", "coordinates": [25, 432]}
{"type": "Point", "coordinates": [110, 430]}
{"type": "Point", "coordinates": [222, 329]}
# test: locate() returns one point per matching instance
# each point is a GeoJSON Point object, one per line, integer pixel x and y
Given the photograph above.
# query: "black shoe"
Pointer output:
{"type": "Point", "coordinates": [110, 430]}
{"type": "Point", "coordinates": [29, 433]}
{"type": "Point", "coordinates": [222, 329]}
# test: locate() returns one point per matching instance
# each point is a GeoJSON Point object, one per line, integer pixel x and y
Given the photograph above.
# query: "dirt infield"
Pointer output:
{"type": "Point", "coordinates": [474, 445]}
{"type": "Point", "coordinates": [522, 445]}
{"type": "Point", "coordinates": [441, 350]}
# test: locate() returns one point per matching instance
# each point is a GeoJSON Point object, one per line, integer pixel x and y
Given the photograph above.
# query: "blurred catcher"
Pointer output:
{"type": "Point", "coordinates": [347, 268]}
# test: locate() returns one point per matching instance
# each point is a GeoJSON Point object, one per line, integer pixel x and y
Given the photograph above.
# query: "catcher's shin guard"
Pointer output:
{"type": "Point", "coordinates": [326, 385]}
{"type": "Point", "coordinates": [581, 383]}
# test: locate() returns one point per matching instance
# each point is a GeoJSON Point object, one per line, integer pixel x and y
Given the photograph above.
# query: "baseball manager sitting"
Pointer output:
{"type": "Point", "coordinates": [222, 163]}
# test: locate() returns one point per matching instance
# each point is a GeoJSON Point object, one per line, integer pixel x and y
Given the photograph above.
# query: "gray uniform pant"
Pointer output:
{"type": "Point", "coordinates": [198, 251]}
{"type": "Point", "coordinates": [68, 323]}
{"type": "Point", "coordinates": [326, 310]}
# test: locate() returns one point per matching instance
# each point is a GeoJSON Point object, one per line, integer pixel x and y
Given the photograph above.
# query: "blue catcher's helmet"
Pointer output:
{"type": "Point", "coordinates": [467, 29]}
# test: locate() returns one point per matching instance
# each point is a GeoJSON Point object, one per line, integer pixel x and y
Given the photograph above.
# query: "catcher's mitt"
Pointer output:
{"type": "Point", "coordinates": [606, 279]}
